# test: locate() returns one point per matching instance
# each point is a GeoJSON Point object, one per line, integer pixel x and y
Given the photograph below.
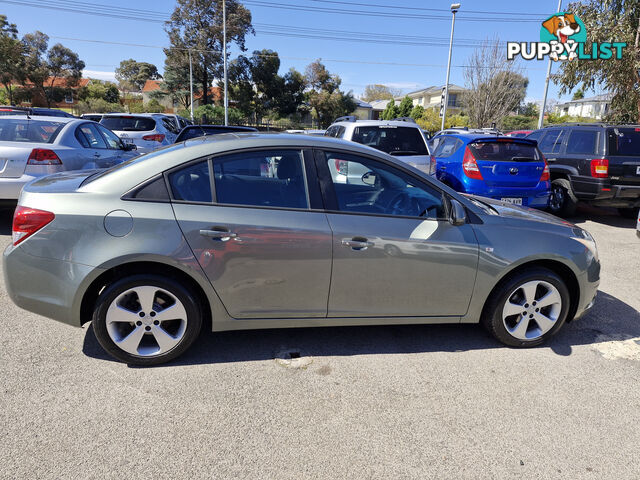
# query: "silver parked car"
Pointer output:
{"type": "Point", "coordinates": [32, 147]}
{"type": "Point", "coordinates": [147, 131]}
{"type": "Point", "coordinates": [251, 231]}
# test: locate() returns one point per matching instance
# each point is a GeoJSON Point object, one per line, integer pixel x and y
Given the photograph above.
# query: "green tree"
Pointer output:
{"type": "Point", "coordinates": [417, 112]}
{"type": "Point", "coordinates": [175, 84]}
{"type": "Point", "coordinates": [578, 94]}
{"type": "Point", "coordinates": [390, 112]}
{"type": "Point", "coordinates": [45, 67]}
{"type": "Point", "coordinates": [430, 121]}
{"type": "Point", "coordinates": [324, 96]}
{"type": "Point", "coordinates": [132, 75]}
{"type": "Point", "coordinates": [197, 26]}
{"type": "Point", "coordinates": [379, 92]}
{"type": "Point", "coordinates": [100, 89]}
{"type": "Point", "coordinates": [98, 105]}
{"type": "Point", "coordinates": [405, 107]}
{"type": "Point", "coordinates": [11, 57]}
{"type": "Point", "coordinates": [608, 20]}
{"type": "Point", "coordinates": [530, 110]}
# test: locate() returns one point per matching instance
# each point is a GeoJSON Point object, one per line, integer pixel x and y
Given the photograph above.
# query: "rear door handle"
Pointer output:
{"type": "Point", "coordinates": [217, 233]}
{"type": "Point", "coordinates": [357, 243]}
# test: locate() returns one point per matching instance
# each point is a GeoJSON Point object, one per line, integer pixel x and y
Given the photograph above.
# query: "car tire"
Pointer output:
{"type": "Point", "coordinates": [527, 308]}
{"type": "Point", "coordinates": [628, 213]}
{"type": "Point", "coordinates": [562, 201]}
{"type": "Point", "coordinates": [146, 319]}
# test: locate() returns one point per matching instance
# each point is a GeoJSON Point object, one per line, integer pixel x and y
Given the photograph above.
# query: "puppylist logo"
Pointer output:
{"type": "Point", "coordinates": [563, 36]}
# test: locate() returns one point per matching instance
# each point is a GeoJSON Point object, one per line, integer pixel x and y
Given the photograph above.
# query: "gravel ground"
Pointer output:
{"type": "Point", "coordinates": [375, 402]}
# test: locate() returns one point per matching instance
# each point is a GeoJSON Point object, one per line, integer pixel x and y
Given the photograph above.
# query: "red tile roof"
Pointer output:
{"type": "Point", "coordinates": [151, 85]}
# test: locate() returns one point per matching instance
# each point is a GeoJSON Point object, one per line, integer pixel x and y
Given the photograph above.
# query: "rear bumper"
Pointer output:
{"type": "Point", "coordinates": [45, 286]}
{"type": "Point", "coordinates": [10, 188]}
{"type": "Point", "coordinates": [600, 191]}
{"type": "Point", "coordinates": [535, 198]}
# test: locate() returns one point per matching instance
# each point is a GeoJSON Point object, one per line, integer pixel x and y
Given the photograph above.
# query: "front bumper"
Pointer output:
{"type": "Point", "coordinates": [45, 286]}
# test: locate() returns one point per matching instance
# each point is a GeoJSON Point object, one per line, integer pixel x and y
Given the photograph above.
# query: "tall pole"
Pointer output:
{"type": "Point", "coordinates": [224, 61]}
{"type": "Point", "coordinates": [454, 9]}
{"type": "Point", "coordinates": [191, 84]}
{"type": "Point", "coordinates": [546, 85]}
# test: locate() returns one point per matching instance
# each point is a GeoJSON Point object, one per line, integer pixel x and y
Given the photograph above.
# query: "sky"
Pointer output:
{"type": "Point", "coordinates": [358, 63]}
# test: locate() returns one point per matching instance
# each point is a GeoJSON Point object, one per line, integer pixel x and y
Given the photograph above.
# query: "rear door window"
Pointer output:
{"type": "Point", "coordinates": [624, 141]}
{"type": "Point", "coordinates": [582, 142]}
{"type": "Point", "coordinates": [192, 183]}
{"type": "Point", "coordinates": [391, 139]}
{"type": "Point", "coordinates": [89, 136]}
{"type": "Point", "coordinates": [129, 123]}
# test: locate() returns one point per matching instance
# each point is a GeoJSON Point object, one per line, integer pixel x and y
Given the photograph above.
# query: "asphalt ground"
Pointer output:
{"type": "Point", "coordinates": [362, 402]}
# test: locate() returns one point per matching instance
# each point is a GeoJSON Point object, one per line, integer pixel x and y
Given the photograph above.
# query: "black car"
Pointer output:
{"type": "Point", "coordinates": [193, 131]}
{"type": "Point", "coordinates": [597, 163]}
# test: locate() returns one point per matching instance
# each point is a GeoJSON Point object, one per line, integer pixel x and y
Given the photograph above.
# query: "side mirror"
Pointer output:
{"type": "Point", "coordinates": [369, 178]}
{"type": "Point", "coordinates": [458, 215]}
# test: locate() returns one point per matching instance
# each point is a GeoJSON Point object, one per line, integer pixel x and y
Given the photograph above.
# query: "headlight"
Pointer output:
{"type": "Point", "coordinates": [587, 240]}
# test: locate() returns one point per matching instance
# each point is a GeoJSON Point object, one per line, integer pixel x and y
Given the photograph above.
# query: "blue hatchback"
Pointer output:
{"type": "Point", "coordinates": [505, 168]}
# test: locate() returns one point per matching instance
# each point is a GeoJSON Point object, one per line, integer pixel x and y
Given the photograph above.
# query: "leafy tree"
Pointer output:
{"type": "Point", "coordinates": [132, 75]}
{"type": "Point", "coordinates": [390, 112]}
{"type": "Point", "coordinates": [530, 110]}
{"type": "Point", "coordinates": [176, 83]}
{"type": "Point", "coordinates": [379, 92]}
{"type": "Point", "coordinates": [292, 97]}
{"type": "Point", "coordinates": [197, 26]}
{"type": "Point", "coordinates": [11, 58]}
{"type": "Point", "coordinates": [154, 106]}
{"type": "Point", "coordinates": [44, 67]}
{"type": "Point", "coordinates": [578, 94]}
{"type": "Point", "coordinates": [405, 107]}
{"type": "Point", "coordinates": [98, 105]}
{"type": "Point", "coordinates": [99, 89]}
{"type": "Point", "coordinates": [324, 96]}
{"type": "Point", "coordinates": [417, 112]}
{"type": "Point", "coordinates": [608, 20]}
{"type": "Point", "coordinates": [215, 114]}
{"type": "Point", "coordinates": [431, 120]}
{"type": "Point", "coordinates": [519, 122]}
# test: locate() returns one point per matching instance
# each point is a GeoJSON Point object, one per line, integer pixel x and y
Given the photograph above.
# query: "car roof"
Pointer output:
{"type": "Point", "coordinates": [44, 118]}
{"type": "Point", "coordinates": [373, 123]}
{"type": "Point", "coordinates": [124, 114]}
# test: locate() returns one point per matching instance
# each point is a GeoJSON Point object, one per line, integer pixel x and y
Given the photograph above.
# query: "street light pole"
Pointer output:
{"type": "Point", "coordinates": [224, 61]}
{"type": "Point", "coordinates": [454, 8]}
{"type": "Point", "coordinates": [191, 84]}
{"type": "Point", "coordinates": [546, 84]}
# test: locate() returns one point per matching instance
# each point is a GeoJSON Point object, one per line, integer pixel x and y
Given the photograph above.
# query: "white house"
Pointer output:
{"type": "Point", "coordinates": [592, 107]}
{"type": "Point", "coordinates": [429, 97]}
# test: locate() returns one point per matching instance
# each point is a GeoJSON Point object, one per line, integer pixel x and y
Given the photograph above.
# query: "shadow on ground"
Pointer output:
{"type": "Point", "coordinates": [6, 218]}
{"type": "Point", "coordinates": [601, 215]}
{"type": "Point", "coordinates": [609, 316]}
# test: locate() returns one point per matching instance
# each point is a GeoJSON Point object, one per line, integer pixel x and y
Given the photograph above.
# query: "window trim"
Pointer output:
{"type": "Point", "coordinates": [331, 199]}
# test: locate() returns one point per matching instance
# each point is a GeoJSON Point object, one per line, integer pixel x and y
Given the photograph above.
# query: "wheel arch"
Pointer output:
{"type": "Point", "coordinates": [92, 292]}
{"type": "Point", "coordinates": [562, 270]}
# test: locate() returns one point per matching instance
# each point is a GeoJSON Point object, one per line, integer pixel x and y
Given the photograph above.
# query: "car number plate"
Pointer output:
{"type": "Point", "coordinates": [513, 201]}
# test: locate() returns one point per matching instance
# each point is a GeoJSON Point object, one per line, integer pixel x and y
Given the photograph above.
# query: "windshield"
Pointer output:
{"type": "Point", "coordinates": [128, 123]}
{"type": "Point", "coordinates": [22, 129]}
{"type": "Point", "coordinates": [624, 141]}
{"type": "Point", "coordinates": [504, 151]}
{"type": "Point", "coordinates": [391, 139]}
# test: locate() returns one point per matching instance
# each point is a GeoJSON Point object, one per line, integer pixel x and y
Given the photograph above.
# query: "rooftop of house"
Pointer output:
{"type": "Point", "coordinates": [605, 97]}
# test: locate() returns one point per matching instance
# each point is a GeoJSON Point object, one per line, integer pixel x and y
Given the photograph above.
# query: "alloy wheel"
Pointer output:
{"type": "Point", "coordinates": [532, 310]}
{"type": "Point", "coordinates": [146, 321]}
{"type": "Point", "coordinates": [556, 199]}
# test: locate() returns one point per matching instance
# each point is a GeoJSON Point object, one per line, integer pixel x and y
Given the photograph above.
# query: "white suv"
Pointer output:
{"type": "Point", "coordinates": [148, 131]}
{"type": "Point", "coordinates": [401, 138]}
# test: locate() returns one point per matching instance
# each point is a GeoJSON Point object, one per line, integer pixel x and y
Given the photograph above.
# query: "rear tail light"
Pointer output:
{"type": "Point", "coordinates": [600, 168]}
{"type": "Point", "coordinates": [342, 167]}
{"type": "Point", "coordinates": [546, 174]}
{"type": "Point", "coordinates": [27, 221]}
{"type": "Point", "coordinates": [432, 165]}
{"type": "Point", "coordinates": [43, 156]}
{"type": "Point", "coordinates": [470, 166]}
{"type": "Point", "coordinates": [158, 137]}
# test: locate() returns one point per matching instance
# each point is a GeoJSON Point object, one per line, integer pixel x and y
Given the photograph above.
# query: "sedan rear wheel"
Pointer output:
{"type": "Point", "coordinates": [146, 319]}
{"type": "Point", "coordinates": [527, 308]}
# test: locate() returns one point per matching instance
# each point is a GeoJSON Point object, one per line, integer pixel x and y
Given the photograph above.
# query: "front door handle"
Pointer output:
{"type": "Point", "coordinates": [357, 243]}
{"type": "Point", "coordinates": [218, 233]}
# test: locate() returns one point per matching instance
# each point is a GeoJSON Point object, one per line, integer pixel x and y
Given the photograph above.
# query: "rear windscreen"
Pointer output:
{"type": "Point", "coordinates": [624, 141]}
{"type": "Point", "coordinates": [128, 123]}
{"type": "Point", "coordinates": [392, 140]}
{"type": "Point", "coordinates": [504, 151]}
{"type": "Point", "coordinates": [14, 129]}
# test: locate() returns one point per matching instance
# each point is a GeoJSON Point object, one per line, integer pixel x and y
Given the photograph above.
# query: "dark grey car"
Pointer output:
{"type": "Point", "coordinates": [251, 231]}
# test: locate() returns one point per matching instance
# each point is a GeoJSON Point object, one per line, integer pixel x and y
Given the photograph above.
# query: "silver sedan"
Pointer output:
{"type": "Point", "coordinates": [32, 147]}
{"type": "Point", "coordinates": [246, 231]}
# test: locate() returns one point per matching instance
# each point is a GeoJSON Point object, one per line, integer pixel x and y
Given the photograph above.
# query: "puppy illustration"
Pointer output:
{"type": "Point", "coordinates": [562, 27]}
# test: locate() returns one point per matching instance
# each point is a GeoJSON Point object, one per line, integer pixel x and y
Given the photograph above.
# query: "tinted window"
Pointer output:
{"type": "Point", "coordinates": [582, 141]}
{"type": "Point", "coordinates": [448, 146]}
{"type": "Point", "coordinates": [391, 139]}
{"type": "Point", "coordinates": [170, 125]}
{"type": "Point", "coordinates": [624, 141]}
{"type": "Point", "coordinates": [89, 137]}
{"type": "Point", "coordinates": [156, 190]}
{"type": "Point", "coordinates": [504, 151]}
{"type": "Point", "coordinates": [128, 123]}
{"type": "Point", "coordinates": [112, 139]}
{"type": "Point", "coordinates": [267, 178]}
{"type": "Point", "coordinates": [192, 183]}
{"type": "Point", "coordinates": [535, 135]}
{"type": "Point", "coordinates": [23, 130]}
{"type": "Point", "coordinates": [552, 141]}
{"type": "Point", "coordinates": [382, 189]}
